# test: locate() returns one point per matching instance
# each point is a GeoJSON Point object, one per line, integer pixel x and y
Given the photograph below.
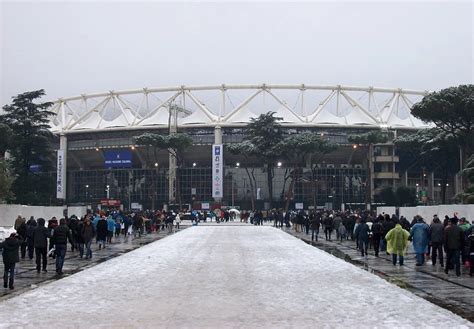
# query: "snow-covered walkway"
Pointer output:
{"type": "Point", "coordinates": [221, 277]}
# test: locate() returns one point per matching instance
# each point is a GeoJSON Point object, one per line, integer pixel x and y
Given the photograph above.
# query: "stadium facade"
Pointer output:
{"type": "Point", "coordinates": [99, 159]}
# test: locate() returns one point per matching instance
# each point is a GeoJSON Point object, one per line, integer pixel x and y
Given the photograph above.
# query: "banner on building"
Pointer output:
{"type": "Point", "coordinates": [217, 171]}
{"type": "Point", "coordinates": [61, 176]}
{"type": "Point", "coordinates": [118, 159]}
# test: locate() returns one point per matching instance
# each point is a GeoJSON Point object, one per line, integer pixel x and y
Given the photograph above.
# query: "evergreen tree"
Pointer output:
{"type": "Point", "coordinates": [261, 140]}
{"type": "Point", "coordinates": [30, 144]}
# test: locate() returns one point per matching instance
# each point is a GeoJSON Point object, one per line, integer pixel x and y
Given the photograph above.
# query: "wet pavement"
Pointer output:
{"type": "Point", "coordinates": [429, 282]}
{"type": "Point", "coordinates": [26, 277]}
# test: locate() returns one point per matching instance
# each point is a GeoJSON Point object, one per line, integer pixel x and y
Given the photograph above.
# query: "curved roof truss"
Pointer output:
{"type": "Point", "coordinates": [235, 105]}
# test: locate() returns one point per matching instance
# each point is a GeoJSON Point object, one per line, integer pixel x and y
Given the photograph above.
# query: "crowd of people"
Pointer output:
{"type": "Point", "coordinates": [450, 241]}
{"type": "Point", "coordinates": [37, 239]}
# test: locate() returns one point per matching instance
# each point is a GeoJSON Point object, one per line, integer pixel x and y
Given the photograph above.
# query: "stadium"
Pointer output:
{"type": "Point", "coordinates": [97, 129]}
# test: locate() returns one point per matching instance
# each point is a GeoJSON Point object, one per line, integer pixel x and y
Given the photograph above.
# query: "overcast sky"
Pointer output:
{"type": "Point", "coordinates": [74, 48]}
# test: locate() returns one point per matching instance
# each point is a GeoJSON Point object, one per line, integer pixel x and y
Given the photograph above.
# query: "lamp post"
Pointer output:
{"type": "Point", "coordinates": [87, 191]}
{"type": "Point", "coordinates": [108, 191]}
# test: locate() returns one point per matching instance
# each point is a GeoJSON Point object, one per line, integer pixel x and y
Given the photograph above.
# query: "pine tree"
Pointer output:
{"type": "Point", "coordinates": [30, 145]}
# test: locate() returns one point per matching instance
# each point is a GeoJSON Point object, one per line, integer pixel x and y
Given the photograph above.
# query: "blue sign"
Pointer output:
{"type": "Point", "coordinates": [35, 168]}
{"type": "Point", "coordinates": [217, 150]}
{"type": "Point", "coordinates": [118, 159]}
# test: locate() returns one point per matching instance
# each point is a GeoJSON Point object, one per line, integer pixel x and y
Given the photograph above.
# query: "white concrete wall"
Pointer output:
{"type": "Point", "coordinates": [78, 211]}
{"type": "Point", "coordinates": [9, 212]}
{"type": "Point", "coordinates": [387, 210]}
{"type": "Point", "coordinates": [427, 212]}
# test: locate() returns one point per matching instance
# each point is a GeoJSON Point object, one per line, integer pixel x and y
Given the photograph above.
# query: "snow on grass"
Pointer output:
{"type": "Point", "coordinates": [5, 232]}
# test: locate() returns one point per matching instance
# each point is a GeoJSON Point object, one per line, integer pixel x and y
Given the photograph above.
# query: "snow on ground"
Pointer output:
{"type": "Point", "coordinates": [5, 232]}
{"type": "Point", "coordinates": [220, 277]}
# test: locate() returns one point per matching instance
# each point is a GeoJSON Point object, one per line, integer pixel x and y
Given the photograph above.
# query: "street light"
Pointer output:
{"type": "Point", "coordinates": [108, 192]}
{"type": "Point", "coordinates": [156, 164]}
{"type": "Point", "coordinates": [194, 164]}
{"type": "Point", "coordinates": [237, 164]}
{"type": "Point", "coordinates": [87, 192]}
{"type": "Point", "coordinates": [279, 164]}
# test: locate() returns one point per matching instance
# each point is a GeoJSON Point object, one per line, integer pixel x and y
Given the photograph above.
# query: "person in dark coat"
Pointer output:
{"type": "Point", "coordinates": [52, 224]}
{"type": "Point", "coordinates": [387, 225]}
{"type": "Point", "coordinates": [405, 223]}
{"type": "Point", "coordinates": [377, 232]}
{"type": "Point", "coordinates": [453, 244]}
{"type": "Point", "coordinates": [61, 235]}
{"type": "Point", "coordinates": [40, 242]}
{"type": "Point", "coordinates": [87, 234]}
{"type": "Point", "coordinates": [315, 223]}
{"type": "Point", "coordinates": [328, 227]}
{"type": "Point", "coordinates": [10, 257]}
{"type": "Point", "coordinates": [79, 240]}
{"type": "Point", "coordinates": [22, 232]}
{"type": "Point", "coordinates": [30, 229]}
{"type": "Point", "coordinates": [362, 236]}
{"type": "Point", "coordinates": [73, 223]}
{"type": "Point", "coordinates": [101, 232]}
{"type": "Point", "coordinates": [436, 240]}
{"type": "Point", "coordinates": [470, 241]}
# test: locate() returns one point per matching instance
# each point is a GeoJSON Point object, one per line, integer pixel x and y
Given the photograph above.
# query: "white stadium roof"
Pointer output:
{"type": "Point", "coordinates": [236, 105]}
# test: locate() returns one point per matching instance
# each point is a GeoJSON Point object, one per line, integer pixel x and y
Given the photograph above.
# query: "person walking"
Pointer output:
{"type": "Point", "coordinates": [470, 241]}
{"type": "Point", "coordinates": [419, 234]}
{"type": "Point", "coordinates": [61, 234]}
{"type": "Point", "coordinates": [40, 242]}
{"type": "Point", "coordinates": [436, 240]}
{"type": "Point", "coordinates": [328, 227]}
{"type": "Point", "coordinates": [362, 236]}
{"type": "Point", "coordinates": [52, 224]}
{"type": "Point", "coordinates": [315, 223]}
{"type": "Point", "coordinates": [178, 220]}
{"type": "Point", "coordinates": [10, 248]}
{"type": "Point", "coordinates": [377, 235]}
{"type": "Point", "coordinates": [397, 243]}
{"type": "Point", "coordinates": [88, 233]}
{"type": "Point", "coordinates": [453, 244]}
{"type": "Point", "coordinates": [78, 237]}
{"type": "Point", "coordinates": [336, 223]}
{"type": "Point", "coordinates": [30, 229]}
{"type": "Point", "coordinates": [18, 221]}
{"type": "Point", "coordinates": [22, 233]}
{"type": "Point", "coordinates": [110, 229]}
{"type": "Point", "coordinates": [101, 232]}
{"type": "Point", "coordinates": [342, 232]}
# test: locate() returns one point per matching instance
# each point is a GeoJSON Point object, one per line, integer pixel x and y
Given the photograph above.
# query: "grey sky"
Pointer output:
{"type": "Point", "coordinates": [74, 48]}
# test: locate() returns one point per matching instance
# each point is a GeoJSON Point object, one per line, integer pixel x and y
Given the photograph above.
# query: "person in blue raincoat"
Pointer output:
{"type": "Point", "coordinates": [419, 234]}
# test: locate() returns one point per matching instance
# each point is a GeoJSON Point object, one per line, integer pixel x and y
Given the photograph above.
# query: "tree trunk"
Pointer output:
{"type": "Point", "coordinates": [270, 184]}
{"type": "Point", "coordinates": [252, 188]}
{"type": "Point", "coordinates": [313, 187]}
{"type": "Point", "coordinates": [289, 194]}
{"type": "Point", "coordinates": [282, 197]}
